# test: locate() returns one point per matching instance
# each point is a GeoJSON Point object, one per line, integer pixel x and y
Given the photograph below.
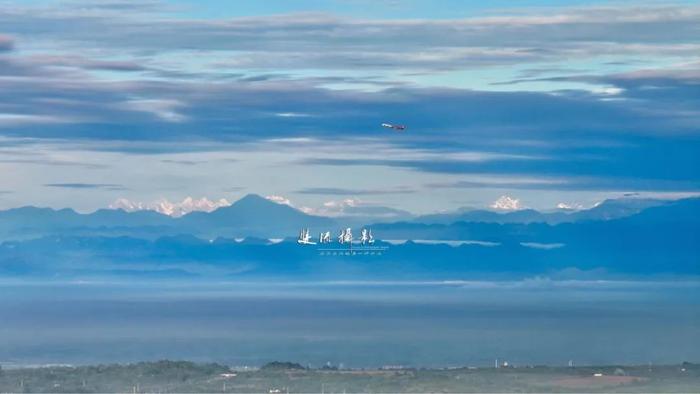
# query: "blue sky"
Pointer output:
{"type": "Point", "coordinates": [548, 102]}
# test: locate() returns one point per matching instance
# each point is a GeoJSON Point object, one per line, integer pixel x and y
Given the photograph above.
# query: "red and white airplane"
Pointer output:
{"type": "Point", "coordinates": [396, 127]}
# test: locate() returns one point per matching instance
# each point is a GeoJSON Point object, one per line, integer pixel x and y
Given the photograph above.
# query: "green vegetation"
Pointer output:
{"type": "Point", "coordinates": [178, 376]}
{"type": "Point", "coordinates": [281, 366]}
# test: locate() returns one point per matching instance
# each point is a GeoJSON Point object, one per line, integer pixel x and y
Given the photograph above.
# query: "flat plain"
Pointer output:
{"type": "Point", "coordinates": [180, 377]}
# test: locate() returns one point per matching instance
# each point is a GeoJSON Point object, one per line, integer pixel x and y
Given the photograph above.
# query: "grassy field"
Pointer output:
{"type": "Point", "coordinates": [173, 377]}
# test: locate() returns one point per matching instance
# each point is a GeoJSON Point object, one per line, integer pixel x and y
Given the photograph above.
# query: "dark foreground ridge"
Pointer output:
{"type": "Point", "coordinates": [283, 377]}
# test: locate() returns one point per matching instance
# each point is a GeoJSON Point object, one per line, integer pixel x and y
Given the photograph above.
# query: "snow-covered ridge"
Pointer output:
{"type": "Point", "coordinates": [174, 209]}
{"type": "Point", "coordinates": [572, 206]}
{"type": "Point", "coordinates": [506, 203]}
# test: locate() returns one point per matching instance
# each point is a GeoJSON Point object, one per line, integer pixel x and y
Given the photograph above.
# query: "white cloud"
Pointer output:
{"type": "Point", "coordinates": [344, 208]}
{"type": "Point", "coordinates": [291, 115]}
{"type": "Point", "coordinates": [329, 208]}
{"type": "Point", "coordinates": [285, 201]}
{"type": "Point", "coordinates": [348, 202]}
{"type": "Point", "coordinates": [570, 206]}
{"type": "Point", "coordinates": [608, 90]}
{"type": "Point", "coordinates": [280, 200]}
{"type": "Point", "coordinates": [308, 210]}
{"type": "Point", "coordinates": [26, 119]}
{"type": "Point", "coordinates": [164, 109]}
{"type": "Point", "coordinates": [537, 245]}
{"type": "Point", "coordinates": [506, 203]}
{"type": "Point", "coordinates": [337, 208]}
{"type": "Point", "coordinates": [174, 209]}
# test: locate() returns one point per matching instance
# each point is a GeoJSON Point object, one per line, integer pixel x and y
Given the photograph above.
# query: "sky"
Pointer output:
{"type": "Point", "coordinates": [547, 102]}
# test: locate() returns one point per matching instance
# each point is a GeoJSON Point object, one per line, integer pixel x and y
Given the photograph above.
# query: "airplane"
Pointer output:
{"type": "Point", "coordinates": [394, 126]}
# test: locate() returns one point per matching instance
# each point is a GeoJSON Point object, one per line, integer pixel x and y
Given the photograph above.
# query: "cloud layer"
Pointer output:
{"type": "Point", "coordinates": [559, 100]}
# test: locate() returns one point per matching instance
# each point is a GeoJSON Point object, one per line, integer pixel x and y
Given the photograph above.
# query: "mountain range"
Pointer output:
{"type": "Point", "coordinates": [606, 210]}
{"type": "Point", "coordinates": [661, 239]}
{"type": "Point", "coordinates": [252, 215]}
{"type": "Point", "coordinates": [256, 216]}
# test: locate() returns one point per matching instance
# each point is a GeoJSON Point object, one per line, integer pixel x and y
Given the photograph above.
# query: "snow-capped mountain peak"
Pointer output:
{"type": "Point", "coordinates": [570, 206]}
{"type": "Point", "coordinates": [174, 209]}
{"type": "Point", "coordinates": [506, 203]}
